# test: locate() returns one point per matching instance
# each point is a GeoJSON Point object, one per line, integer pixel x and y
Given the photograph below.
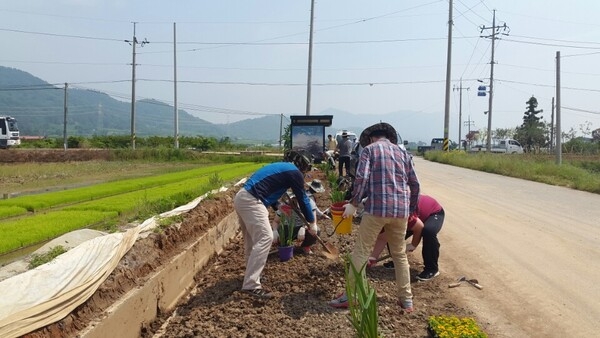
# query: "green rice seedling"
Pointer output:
{"type": "Point", "coordinates": [10, 211]}
{"type": "Point", "coordinates": [54, 199]}
{"type": "Point", "coordinates": [23, 232]}
{"type": "Point", "coordinates": [40, 259]}
{"type": "Point", "coordinates": [103, 213]}
{"type": "Point", "coordinates": [362, 301]}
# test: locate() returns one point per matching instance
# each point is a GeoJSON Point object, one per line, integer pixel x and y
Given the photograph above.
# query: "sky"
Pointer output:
{"type": "Point", "coordinates": [245, 59]}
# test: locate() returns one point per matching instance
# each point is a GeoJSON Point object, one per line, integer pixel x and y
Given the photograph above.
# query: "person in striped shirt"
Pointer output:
{"type": "Point", "coordinates": [386, 177]}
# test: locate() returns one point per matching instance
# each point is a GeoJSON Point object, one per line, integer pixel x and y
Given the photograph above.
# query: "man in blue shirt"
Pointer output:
{"type": "Point", "coordinates": [263, 189]}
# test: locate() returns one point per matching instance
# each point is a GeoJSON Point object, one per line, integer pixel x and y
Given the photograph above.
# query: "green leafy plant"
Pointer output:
{"type": "Point", "coordinates": [286, 226]}
{"type": "Point", "coordinates": [332, 178]}
{"type": "Point", "coordinates": [39, 259]}
{"type": "Point", "coordinates": [337, 195]}
{"type": "Point", "coordinates": [362, 301]}
{"type": "Point", "coordinates": [452, 326]}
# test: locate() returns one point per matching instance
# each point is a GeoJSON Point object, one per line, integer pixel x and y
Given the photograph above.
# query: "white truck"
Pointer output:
{"type": "Point", "coordinates": [9, 132]}
{"type": "Point", "coordinates": [503, 146]}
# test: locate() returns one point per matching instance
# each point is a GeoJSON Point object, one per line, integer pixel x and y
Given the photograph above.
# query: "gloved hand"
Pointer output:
{"type": "Point", "coordinates": [349, 210]}
{"type": "Point", "coordinates": [314, 228]}
{"type": "Point", "coordinates": [301, 233]}
{"type": "Point", "coordinates": [275, 237]}
{"type": "Point", "coordinates": [410, 247]}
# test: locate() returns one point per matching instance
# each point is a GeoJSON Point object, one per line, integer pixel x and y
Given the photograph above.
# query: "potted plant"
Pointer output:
{"type": "Point", "coordinates": [341, 225]}
{"type": "Point", "coordinates": [286, 233]}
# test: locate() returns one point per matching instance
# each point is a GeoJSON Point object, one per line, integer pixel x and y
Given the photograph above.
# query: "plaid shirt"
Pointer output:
{"type": "Point", "coordinates": [386, 175]}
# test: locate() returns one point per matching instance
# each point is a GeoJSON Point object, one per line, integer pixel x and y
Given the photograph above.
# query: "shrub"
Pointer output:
{"type": "Point", "coordinates": [454, 327]}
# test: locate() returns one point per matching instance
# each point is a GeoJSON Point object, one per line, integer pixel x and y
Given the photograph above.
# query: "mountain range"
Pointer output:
{"type": "Point", "coordinates": [38, 107]}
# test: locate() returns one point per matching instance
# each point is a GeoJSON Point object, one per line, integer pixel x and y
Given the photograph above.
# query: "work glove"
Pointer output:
{"type": "Point", "coordinates": [314, 228]}
{"type": "Point", "coordinates": [410, 247]}
{"type": "Point", "coordinates": [349, 210]}
{"type": "Point", "coordinates": [275, 237]}
{"type": "Point", "coordinates": [301, 233]}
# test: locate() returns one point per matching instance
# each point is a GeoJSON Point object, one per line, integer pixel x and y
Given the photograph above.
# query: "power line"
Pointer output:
{"type": "Point", "coordinates": [67, 63]}
{"type": "Point", "coordinates": [581, 110]}
{"type": "Point", "coordinates": [551, 44]}
{"type": "Point", "coordinates": [550, 86]}
{"type": "Point", "coordinates": [60, 35]}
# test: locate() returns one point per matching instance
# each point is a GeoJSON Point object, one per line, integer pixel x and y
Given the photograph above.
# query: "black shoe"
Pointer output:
{"type": "Point", "coordinates": [388, 265]}
{"type": "Point", "coordinates": [427, 275]}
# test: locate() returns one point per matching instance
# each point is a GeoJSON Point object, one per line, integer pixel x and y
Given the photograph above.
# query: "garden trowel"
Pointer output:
{"type": "Point", "coordinates": [331, 251]}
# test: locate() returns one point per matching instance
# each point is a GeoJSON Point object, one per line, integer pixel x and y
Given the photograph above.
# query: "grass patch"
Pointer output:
{"type": "Point", "coordinates": [39, 259]}
{"type": "Point", "coordinates": [577, 173]}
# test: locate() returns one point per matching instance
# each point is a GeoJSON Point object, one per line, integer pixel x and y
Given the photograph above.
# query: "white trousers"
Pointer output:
{"type": "Point", "coordinates": [258, 236]}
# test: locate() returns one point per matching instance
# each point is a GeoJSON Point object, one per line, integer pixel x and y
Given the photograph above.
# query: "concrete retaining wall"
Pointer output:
{"type": "Point", "coordinates": [165, 288]}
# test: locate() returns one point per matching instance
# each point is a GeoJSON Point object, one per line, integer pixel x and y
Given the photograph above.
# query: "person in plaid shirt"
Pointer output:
{"type": "Point", "coordinates": [386, 178]}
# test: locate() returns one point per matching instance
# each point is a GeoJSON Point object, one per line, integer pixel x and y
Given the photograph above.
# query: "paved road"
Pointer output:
{"type": "Point", "coordinates": [534, 247]}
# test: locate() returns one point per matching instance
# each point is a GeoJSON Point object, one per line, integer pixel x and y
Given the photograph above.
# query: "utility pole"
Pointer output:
{"type": "Point", "coordinates": [558, 127]}
{"type": "Point", "coordinates": [65, 119]}
{"type": "Point", "coordinates": [460, 89]}
{"type": "Point", "coordinates": [552, 126]}
{"type": "Point", "coordinates": [175, 110]}
{"type": "Point", "coordinates": [133, 42]}
{"type": "Point", "coordinates": [99, 120]}
{"type": "Point", "coordinates": [280, 130]}
{"type": "Point", "coordinates": [469, 123]}
{"type": "Point", "coordinates": [495, 31]}
{"type": "Point", "coordinates": [448, 75]}
{"type": "Point", "coordinates": [310, 47]}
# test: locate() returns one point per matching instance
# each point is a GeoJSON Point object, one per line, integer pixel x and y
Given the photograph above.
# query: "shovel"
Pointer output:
{"type": "Point", "coordinates": [473, 282]}
{"type": "Point", "coordinates": [331, 252]}
{"type": "Point", "coordinates": [458, 282]}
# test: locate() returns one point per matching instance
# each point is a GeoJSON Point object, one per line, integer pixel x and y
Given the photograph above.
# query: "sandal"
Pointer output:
{"type": "Point", "coordinates": [259, 293]}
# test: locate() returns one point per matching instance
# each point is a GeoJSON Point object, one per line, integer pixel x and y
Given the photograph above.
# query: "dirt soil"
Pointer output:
{"type": "Point", "coordinates": [302, 286]}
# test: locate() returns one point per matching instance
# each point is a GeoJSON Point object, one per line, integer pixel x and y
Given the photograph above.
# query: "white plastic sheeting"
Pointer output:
{"type": "Point", "coordinates": [50, 292]}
